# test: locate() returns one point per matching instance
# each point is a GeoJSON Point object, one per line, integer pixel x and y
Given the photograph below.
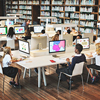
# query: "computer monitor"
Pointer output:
{"type": "Point", "coordinates": [3, 30]}
{"type": "Point", "coordinates": [58, 28]}
{"type": "Point", "coordinates": [85, 42]}
{"type": "Point", "coordinates": [19, 30]}
{"type": "Point", "coordinates": [38, 29]}
{"type": "Point", "coordinates": [57, 47]}
{"type": "Point", "coordinates": [9, 22]}
{"type": "Point", "coordinates": [24, 47]}
{"type": "Point", "coordinates": [38, 42]}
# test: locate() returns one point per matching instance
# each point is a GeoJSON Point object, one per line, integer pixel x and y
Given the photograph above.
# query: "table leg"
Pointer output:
{"type": "Point", "coordinates": [24, 73]}
{"type": "Point", "coordinates": [29, 72]}
{"type": "Point", "coordinates": [44, 78]}
{"type": "Point", "coordinates": [39, 77]}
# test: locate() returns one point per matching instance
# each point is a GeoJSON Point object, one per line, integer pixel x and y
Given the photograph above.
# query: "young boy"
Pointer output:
{"type": "Point", "coordinates": [76, 59]}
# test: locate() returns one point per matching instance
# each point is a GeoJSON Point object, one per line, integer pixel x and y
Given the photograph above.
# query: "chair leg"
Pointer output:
{"type": "Point", "coordinates": [88, 76]}
{"type": "Point", "coordinates": [3, 83]}
{"type": "Point", "coordinates": [70, 84]}
{"type": "Point", "coordinates": [82, 81]}
{"type": "Point", "coordinates": [59, 80]}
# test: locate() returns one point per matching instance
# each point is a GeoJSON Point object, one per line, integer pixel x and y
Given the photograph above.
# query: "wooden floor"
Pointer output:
{"type": "Point", "coordinates": [30, 91]}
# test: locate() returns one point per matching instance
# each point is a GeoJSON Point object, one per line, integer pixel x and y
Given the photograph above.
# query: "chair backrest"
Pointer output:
{"type": "Point", "coordinates": [29, 40]}
{"type": "Point", "coordinates": [78, 69]}
{"type": "Point", "coordinates": [1, 71]}
{"type": "Point", "coordinates": [11, 44]}
{"type": "Point", "coordinates": [90, 35]}
{"type": "Point", "coordinates": [69, 38]}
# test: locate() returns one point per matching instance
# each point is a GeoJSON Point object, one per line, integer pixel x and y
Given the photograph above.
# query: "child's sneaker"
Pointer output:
{"type": "Point", "coordinates": [12, 82]}
{"type": "Point", "coordinates": [93, 78]}
{"type": "Point", "coordinates": [17, 85]}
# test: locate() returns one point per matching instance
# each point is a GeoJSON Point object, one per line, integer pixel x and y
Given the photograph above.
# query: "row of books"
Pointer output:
{"type": "Point", "coordinates": [87, 23]}
{"type": "Point", "coordinates": [57, 14]}
{"type": "Point", "coordinates": [72, 2]}
{"type": "Point", "coordinates": [25, 7]}
{"type": "Point", "coordinates": [57, 8]}
{"type": "Point", "coordinates": [45, 13]}
{"type": "Point", "coordinates": [86, 9]}
{"type": "Point", "coordinates": [22, 21]}
{"type": "Point", "coordinates": [24, 12]}
{"type": "Point", "coordinates": [60, 2]}
{"type": "Point", "coordinates": [70, 8]}
{"type": "Point", "coordinates": [74, 15]}
{"type": "Point", "coordinates": [15, 7]}
{"type": "Point", "coordinates": [45, 2]}
{"type": "Point", "coordinates": [45, 8]}
{"type": "Point", "coordinates": [87, 16]}
{"type": "Point", "coordinates": [88, 30]}
{"type": "Point", "coordinates": [71, 21]}
{"type": "Point", "coordinates": [89, 2]}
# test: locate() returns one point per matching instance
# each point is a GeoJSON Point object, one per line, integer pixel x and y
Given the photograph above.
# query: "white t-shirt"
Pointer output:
{"type": "Point", "coordinates": [97, 59]}
{"type": "Point", "coordinates": [6, 60]}
{"type": "Point", "coordinates": [47, 38]}
{"type": "Point", "coordinates": [98, 40]}
{"type": "Point", "coordinates": [13, 38]}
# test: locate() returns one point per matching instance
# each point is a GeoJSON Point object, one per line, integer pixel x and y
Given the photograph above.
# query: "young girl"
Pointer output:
{"type": "Point", "coordinates": [9, 70]}
{"type": "Point", "coordinates": [56, 37]}
{"type": "Point", "coordinates": [97, 61]}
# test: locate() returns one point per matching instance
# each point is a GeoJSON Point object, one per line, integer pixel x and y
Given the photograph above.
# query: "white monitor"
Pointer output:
{"type": "Point", "coordinates": [85, 42]}
{"type": "Point", "coordinates": [9, 22]}
{"type": "Point", "coordinates": [3, 30]}
{"type": "Point", "coordinates": [58, 28]}
{"type": "Point", "coordinates": [24, 47]}
{"type": "Point", "coordinates": [57, 47]}
{"type": "Point", "coordinates": [38, 42]}
{"type": "Point", "coordinates": [19, 30]}
{"type": "Point", "coordinates": [38, 29]}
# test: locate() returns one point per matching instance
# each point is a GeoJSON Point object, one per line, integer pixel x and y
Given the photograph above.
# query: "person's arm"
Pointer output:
{"type": "Point", "coordinates": [71, 65]}
{"type": "Point", "coordinates": [89, 55]}
{"type": "Point", "coordinates": [15, 60]}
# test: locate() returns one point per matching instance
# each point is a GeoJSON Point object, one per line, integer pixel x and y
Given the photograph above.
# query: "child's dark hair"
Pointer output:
{"type": "Point", "coordinates": [59, 31]}
{"type": "Point", "coordinates": [80, 36]}
{"type": "Point", "coordinates": [43, 31]}
{"type": "Point", "coordinates": [79, 47]}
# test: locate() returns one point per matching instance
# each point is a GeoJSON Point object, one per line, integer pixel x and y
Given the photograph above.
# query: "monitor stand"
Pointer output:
{"type": "Point", "coordinates": [55, 56]}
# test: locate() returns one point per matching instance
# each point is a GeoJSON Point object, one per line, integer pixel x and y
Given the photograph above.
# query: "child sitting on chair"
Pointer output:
{"type": "Point", "coordinates": [9, 70]}
{"type": "Point", "coordinates": [97, 62]}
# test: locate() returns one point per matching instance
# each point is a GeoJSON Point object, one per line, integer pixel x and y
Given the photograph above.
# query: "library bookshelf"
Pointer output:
{"type": "Point", "coordinates": [84, 13]}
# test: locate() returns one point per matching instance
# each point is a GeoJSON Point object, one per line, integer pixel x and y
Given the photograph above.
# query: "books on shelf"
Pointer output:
{"type": "Point", "coordinates": [87, 2]}
{"type": "Point", "coordinates": [45, 8]}
{"type": "Point", "coordinates": [57, 8]}
{"type": "Point", "coordinates": [44, 13]}
{"type": "Point", "coordinates": [72, 2]}
{"type": "Point", "coordinates": [57, 14]}
{"type": "Point", "coordinates": [45, 2]}
{"type": "Point", "coordinates": [86, 9]}
{"type": "Point", "coordinates": [87, 23]}
{"type": "Point", "coordinates": [87, 16]}
{"type": "Point", "coordinates": [71, 21]}
{"type": "Point", "coordinates": [56, 2]}
{"type": "Point", "coordinates": [70, 8]}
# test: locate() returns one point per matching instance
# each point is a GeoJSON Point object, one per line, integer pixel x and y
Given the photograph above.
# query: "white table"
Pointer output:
{"type": "Point", "coordinates": [42, 61]}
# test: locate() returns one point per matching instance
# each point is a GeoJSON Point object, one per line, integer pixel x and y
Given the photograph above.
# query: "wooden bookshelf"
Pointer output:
{"type": "Point", "coordinates": [84, 13]}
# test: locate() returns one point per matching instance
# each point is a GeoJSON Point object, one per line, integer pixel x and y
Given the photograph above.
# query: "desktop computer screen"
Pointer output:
{"type": "Point", "coordinates": [3, 30]}
{"type": "Point", "coordinates": [19, 30]}
{"type": "Point", "coordinates": [9, 23]}
{"type": "Point", "coordinates": [38, 29]}
{"type": "Point", "coordinates": [57, 46]}
{"type": "Point", "coordinates": [57, 28]}
{"type": "Point", "coordinates": [85, 42]}
{"type": "Point", "coordinates": [24, 47]}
